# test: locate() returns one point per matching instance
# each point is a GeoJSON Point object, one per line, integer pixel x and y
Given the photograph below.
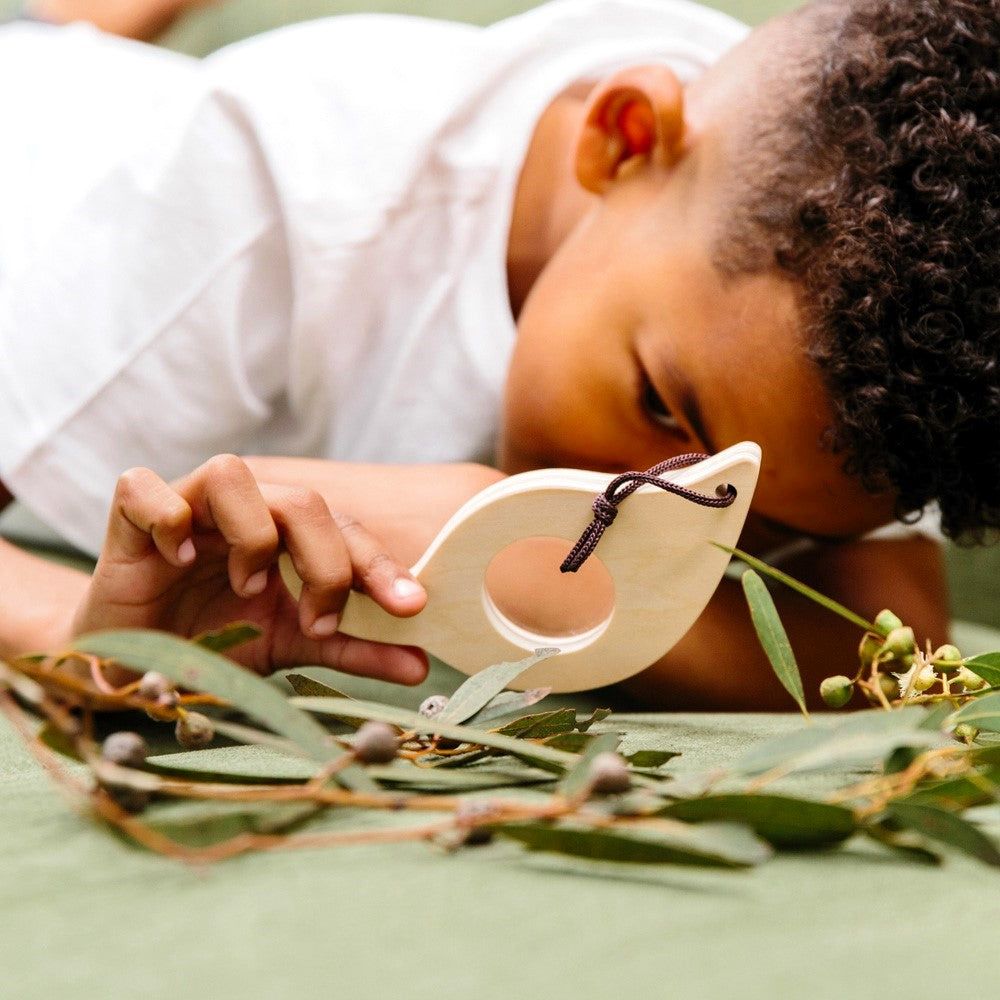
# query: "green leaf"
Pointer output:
{"type": "Point", "coordinates": [506, 703]}
{"type": "Point", "coordinates": [228, 637]}
{"type": "Point", "coordinates": [799, 587]}
{"type": "Point", "coordinates": [648, 759]}
{"type": "Point", "coordinates": [239, 765]}
{"type": "Point", "coordinates": [863, 739]}
{"type": "Point", "coordinates": [305, 685]}
{"type": "Point", "coordinates": [576, 778]}
{"type": "Point", "coordinates": [536, 753]}
{"type": "Point", "coordinates": [598, 715]}
{"type": "Point", "coordinates": [773, 638]}
{"type": "Point", "coordinates": [983, 713]}
{"type": "Point", "coordinates": [903, 842]}
{"type": "Point", "coordinates": [202, 824]}
{"type": "Point", "coordinates": [645, 842]}
{"type": "Point", "coordinates": [476, 692]}
{"type": "Point", "coordinates": [200, 669]}
{"type": "Point", "coordinates": [946, 827]}
{"type": "Point", "coordinates": [987, 666]}
{"type": "Point", "coordinates": [956, 794]}
{"type": "Point", "coordinates": [780, 820]}
{"type": "Point", "coordinates": [542, 725]}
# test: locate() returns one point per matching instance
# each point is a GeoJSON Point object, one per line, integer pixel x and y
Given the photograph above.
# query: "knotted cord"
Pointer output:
{"type": "Point", "coordinates": [605, 505]}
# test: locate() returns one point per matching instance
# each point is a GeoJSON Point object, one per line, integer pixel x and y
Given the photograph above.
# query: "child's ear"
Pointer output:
{"type": "Point", "coordinates": [637, 112]}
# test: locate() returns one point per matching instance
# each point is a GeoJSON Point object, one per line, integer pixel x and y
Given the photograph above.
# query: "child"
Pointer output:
{"type": "Point", "coordinates": [330, 228]}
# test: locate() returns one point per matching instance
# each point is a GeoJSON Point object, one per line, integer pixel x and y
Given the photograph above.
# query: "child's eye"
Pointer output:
{"type": "Point", "coordinates": [657, 410]}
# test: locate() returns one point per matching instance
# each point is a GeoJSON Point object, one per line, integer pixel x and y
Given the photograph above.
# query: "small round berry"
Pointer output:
{"type": "Point", "coordinates": [432, 707]}
{"type": "Point", "coordinates": [836, 691]}
{"type": "Point", "coordinates": [375, 743]}
{"type": "Point", "coordinates": [153, 685]}
{"type": "Point", "coordinates": [609, 774]}
{"type": "Point", "coordinates": [886, 621]}
{"type": "Point", "coordinates": [946, 659]}
{"type": "Point", "coordinates": [125, 748]}
{"type": "Point", "coordinates": [194, 731]}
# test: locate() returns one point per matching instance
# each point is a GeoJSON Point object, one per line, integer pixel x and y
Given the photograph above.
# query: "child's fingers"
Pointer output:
{"type": "Point", "coordinates": [384, 579]}
{"type": "Point", "coordinates": [145, 507]}
{"type": "Point", "coordinates": [380, 661]}
{"type": "Point", "coordinates": [226, 498]}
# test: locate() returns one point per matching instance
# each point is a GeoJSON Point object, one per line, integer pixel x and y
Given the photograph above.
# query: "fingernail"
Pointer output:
{"type": "Point", "coordinates": [256, 583]}
{"type": "Point", "coordinates": [185, 551]}
{"type": "Point", "coordinates": [326, 626]}
{"type": "Point", "coordinates": [404, 587]}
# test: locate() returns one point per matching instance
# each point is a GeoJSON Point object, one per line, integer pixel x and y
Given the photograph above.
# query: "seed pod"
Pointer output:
{"type": "Point", "coordinates": [946, 659]}
{"type": "Point", "coordinates": [889, 686]}
{"type": "Point", "coordinates": [153, 685]}
{"type": "Point", "coordinates": [194, 731]}
{"type": "Point", "coordinates": [900, 643]}
{"type": "Point", "coordinates": [886, 621]}
{"type": "Point", "coordinates": [870, 647]}
{"type": "Point", "coordinates": [965, 733]}
{"type": "Point", "coordinates": [375, 743]}
{"type": "Point", "coordinates": [432, 707]}
{"type": "Point", "coordinates": [836, 691]}
{"type": "Point", "coordinates": [609, 774]}
{"type": "Point", "coordinates": [126, 748]}
{"type": "Point", "coordinates": [970, 680]}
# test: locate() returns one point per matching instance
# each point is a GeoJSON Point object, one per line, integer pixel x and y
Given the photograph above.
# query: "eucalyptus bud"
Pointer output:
{"type": "Point", "coordinates": [886, 621]}
{"type": "Point", "coordinates": [609, 774]}
{"type": "Point", "coordinates": [375, 743]}
{"type": "Point", "coordinates": [869, 648]}
{"type": "Point", "coordinates": [125, 748]}
{"type": "Point", "coordinates": [836, 691]}
{"type": "Point", "coordinates": [968, 679]}
{"type": "Point", "coordinates": [900, 643]}
{"type": "Point", "coordinates": [965, 733]}
{"type": "Point", "coordinates": [153, 685]}
{"type": "Point", "coordinates": [946, 659]}
{"type": "Point", "coordinates": [194, 731]}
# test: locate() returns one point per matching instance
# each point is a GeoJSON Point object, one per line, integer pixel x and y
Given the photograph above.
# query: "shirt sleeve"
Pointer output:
{"type": "Point", "coordinates": [151, 326]}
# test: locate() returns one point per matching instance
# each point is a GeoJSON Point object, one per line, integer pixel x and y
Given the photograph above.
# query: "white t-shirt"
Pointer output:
{"type": "Point", "coordinates": [296, 246]}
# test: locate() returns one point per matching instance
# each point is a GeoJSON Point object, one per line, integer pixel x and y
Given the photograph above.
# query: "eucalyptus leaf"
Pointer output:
{"type": "Point", "coordinates": [649, 759]}
{"type": "Point", "coordinates": [203, 825]}
{"type": "Point", "coordinates": [228, 637]}
{"type": "Point", "coordinates": [542, 725]}
{"type": "Point", "coordinates": [598, 715]}
{"type": "Point", "coordinates": [573, 742]}
{"type": "Point", "coordinates": [201, 669]}
{"type": "Point", "coordinates": [773, 637]}
{"type": "Point", "coordinates": [644, 842]}
{"type": "Point", "coordinates": [946, 827]}
{"type": "Point", "coordinates": [476, 692]}
{"type": "Point", "coordinates": [576, 778]}
{"type": "Point", "coordinates": [239, 765]}
{"type": "Point", "coordinates": [983, 713]}
{"type": "Point", "coordinates": [781, 820]}
{"type": "Point", "coordinates": [537, 753]}
{"type": "Point", "coordinates": [863, 740]}
{"type": "Point", "coordinates": [305, 685]}
{"type": "Point", "coordinates": [903, 842]}
{"type": "Point", "coordinates": [987, 666]}
{"type": "Point", "coordinates": [506, 703]}
{"type": "Point", "coordinates": [956, 794]}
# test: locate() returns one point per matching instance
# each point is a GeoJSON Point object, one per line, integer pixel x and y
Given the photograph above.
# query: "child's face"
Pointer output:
{"type": "Point", "coordinates": [632, 347]}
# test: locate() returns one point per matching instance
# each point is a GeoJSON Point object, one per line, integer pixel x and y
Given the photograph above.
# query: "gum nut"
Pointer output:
{"type": "Point", "coordinates": [946, 659]}
{"type": "Point", "coordinates": [964, 732]}
{"type": "Point", "coordinates": [432, 707]}
{"type": "Point", "coordinates": [153, 685]}
{"type": "Point", "coordinates": [900, 642]}
{"type": "Point", "coordinates": [375, 743]}
{"type": "Point", "coordinates": [125, 748]}
{"type": "Point", "coordinates": [609, 774]}
{"type": "Point", "coordinates": [869, 648]}
{"type": "Point", "coordinates": [969, 680]}
{"type": "Point", "coordinates": [836, 691]}
{"type": "Point", "coordinates": [886, 621]}
{"type": "Point", "coordinates": [194, 731]}
{"type": "Point", "coordinates": [889, 686]}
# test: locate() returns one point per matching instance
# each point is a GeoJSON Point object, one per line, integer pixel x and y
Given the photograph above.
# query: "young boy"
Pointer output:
{"type": "Point", "coordinates": [331, 230]}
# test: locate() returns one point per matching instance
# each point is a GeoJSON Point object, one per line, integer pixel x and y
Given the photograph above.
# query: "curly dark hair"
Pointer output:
{"type": "Point", "coordinates": [881, 204]}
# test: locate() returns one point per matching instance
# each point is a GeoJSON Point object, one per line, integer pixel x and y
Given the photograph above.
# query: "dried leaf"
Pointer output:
{"type": "Point", "coordinates": [773, 638]}
{"type": "Point", "coordinates": [476, 692]}
{"type": "Point", "coordinates": [780, 820]}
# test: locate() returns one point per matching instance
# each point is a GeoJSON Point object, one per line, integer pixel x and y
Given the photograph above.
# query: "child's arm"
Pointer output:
{"type": "Point", "coordinates": [203, 552]}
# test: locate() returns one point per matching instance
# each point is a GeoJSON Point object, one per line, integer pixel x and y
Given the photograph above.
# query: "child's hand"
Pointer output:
{"type": "Point", "coordinates": [202, 552]}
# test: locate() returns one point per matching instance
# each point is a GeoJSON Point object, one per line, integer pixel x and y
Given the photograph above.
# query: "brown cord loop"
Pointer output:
{"type": "Point", "coordinates": [605, 505]}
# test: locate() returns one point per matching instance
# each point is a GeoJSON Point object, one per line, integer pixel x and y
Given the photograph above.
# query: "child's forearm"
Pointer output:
{"type": "Point", "coordinates": [38, 600]}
